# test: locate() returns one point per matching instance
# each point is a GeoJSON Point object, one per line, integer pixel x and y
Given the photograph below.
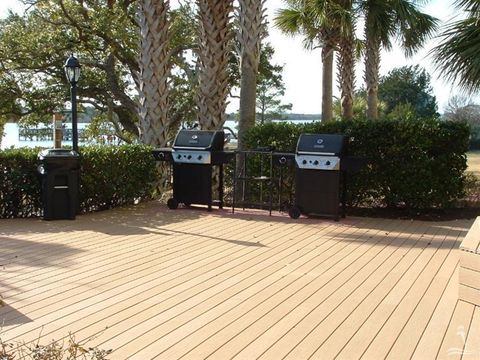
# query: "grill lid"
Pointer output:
{"type": "Point", "coordinates": [321, 144]}
{"type": "Point", "coordinates": [199, 140]}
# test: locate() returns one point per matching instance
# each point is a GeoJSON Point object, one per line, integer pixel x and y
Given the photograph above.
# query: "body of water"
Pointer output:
{"type": "Point", "coordinates": [14, 137]}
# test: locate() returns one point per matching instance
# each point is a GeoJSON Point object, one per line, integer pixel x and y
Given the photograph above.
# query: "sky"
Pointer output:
{"type": "Point", "coordinates": [302, 68]}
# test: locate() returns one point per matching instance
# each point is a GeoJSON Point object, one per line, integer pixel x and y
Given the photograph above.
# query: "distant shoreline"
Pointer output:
{"type": "Point", "coordinates": [288, 117]}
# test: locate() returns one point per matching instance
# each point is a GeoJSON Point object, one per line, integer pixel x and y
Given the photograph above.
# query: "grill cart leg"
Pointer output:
{"type": "Point", "coordinates": [220, 187]}
{"type": "Point", "coordinates": [209, 189]}
{"type": "Point", "coordinates": [344, 194]}
{"type": "Point", "coordinates": [234, 192]}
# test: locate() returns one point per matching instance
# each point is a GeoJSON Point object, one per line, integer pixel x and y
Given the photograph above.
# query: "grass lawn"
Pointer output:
{"type": "Point", "coordinates": [473, 160]}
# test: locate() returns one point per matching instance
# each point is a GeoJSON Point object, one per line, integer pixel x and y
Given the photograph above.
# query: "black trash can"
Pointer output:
{"type": "Point", "coordinates": [60, 171]}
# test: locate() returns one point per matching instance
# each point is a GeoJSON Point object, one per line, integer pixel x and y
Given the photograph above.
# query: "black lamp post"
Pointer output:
{"type": "Point", "coordinates": [72, 71]}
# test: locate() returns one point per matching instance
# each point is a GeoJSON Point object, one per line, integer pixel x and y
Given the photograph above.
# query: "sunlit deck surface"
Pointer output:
{"type": "Point", "coordinates": [150, 282]}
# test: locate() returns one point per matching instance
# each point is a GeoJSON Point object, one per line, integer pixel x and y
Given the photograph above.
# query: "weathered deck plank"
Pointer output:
{"type": "Point", "coordinates": [153, 283]}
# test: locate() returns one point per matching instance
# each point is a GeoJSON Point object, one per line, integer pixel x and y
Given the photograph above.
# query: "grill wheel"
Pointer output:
{"type": "Point", "coordinates": [294, 212]}
{"type": "Point", "coordinates": [172, 204]}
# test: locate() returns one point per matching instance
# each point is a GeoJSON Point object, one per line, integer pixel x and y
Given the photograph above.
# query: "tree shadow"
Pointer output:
{"type": "Point", "coordinates": [14, 317]}
{"type": "Point", "coordinates": [424, 235]}
{"type": "Point", "coordinates": [144, 218]}
{"type": "Point", "coordinates": [14, 251]}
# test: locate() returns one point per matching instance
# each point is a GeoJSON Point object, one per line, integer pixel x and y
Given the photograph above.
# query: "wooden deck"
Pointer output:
{"type": "Point", "coordinates": [152, 283]}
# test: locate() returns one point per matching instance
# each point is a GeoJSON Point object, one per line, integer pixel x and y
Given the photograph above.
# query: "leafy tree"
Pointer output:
{"type": "Point", "coordinates": [463, 109]}
{"type": "Point", "coordinates": [458, 54]}
{"type": "Point", "coordinates": [2, 127]}
{"type": "Point", "coordinates": [105, 36]}
{"type": "Point", "coordinates": [269, 102]}
{"type": "Point", "coordinates": [407, 89]}
{"type": "Point", "coordinates": [270, 88]}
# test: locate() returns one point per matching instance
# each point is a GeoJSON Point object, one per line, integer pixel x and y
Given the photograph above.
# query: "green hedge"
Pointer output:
{"type": "Point", "coordinates": [19, 184]}
{"type": "Point", "coordinates": [416, 164]}
{"type": "Point", "coordinates": [116, 175]}
{"type": "Point", "coordinates": [111, 176]}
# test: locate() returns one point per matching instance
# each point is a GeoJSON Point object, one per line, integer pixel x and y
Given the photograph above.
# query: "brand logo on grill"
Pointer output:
{"type": "Point", "coordinates": [194, 137]}
{"type": "Point", "coordinates": [319, 144]}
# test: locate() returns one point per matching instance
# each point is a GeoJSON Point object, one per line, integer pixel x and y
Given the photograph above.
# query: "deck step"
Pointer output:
{"type": "Point", "coordinates": [469, 274]}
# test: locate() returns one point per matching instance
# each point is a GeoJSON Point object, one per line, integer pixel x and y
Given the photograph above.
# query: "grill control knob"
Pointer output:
{"type": "Point", "coordinates": [327, 163]}
{"type": "Point", "coordinates": [179, 156]}
{"type": "Point", "coordinates": [189, 157]}
{"type": "Point", "coordinates": [304, 162]}
{"type": "Point", "coordinates": [200, 157]}
{"type": "Point", "coordinates": [315, 162]}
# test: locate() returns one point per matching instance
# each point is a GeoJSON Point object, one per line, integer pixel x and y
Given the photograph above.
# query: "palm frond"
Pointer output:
{"type": "Point", "coordinates": [414, 27]}
{"type": "Point", "coordinates": [457, 56]}
{"type": "Point", "coordinates": [470, 6]}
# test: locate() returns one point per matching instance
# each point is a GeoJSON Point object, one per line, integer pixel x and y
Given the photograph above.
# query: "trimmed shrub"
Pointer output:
{"type": "Point", "coordinates": [111, 176]}
{"type": "Point", "coordinates": [19, 183]}
{"type": "Point", "coordinates": [415, 164]}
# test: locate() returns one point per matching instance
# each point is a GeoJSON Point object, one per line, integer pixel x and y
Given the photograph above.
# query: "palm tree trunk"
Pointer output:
{"type": "Point", "coordinates": [215, 35]}
{"type": "Point", "coordinates": [327, 83]}
{"type": "Point", "coordinates": [372, 71]}
{"type": "Point", "coordinates": [154, 72]}
{"type": "Point", "coordinates": [346, 73]}
{"type": "Point", "coordinates": [251, 29]}
{"type": "Point", "coordinates": [248, 82]}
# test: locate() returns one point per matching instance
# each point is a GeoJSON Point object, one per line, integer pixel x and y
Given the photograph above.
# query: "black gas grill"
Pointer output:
{"type": "Point", "coordinates": [193, 157]}
{"type": "Point", "coordinates": [319, 175]}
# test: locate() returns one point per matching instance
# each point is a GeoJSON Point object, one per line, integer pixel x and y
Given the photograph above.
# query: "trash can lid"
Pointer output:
{"type": "Point", "coordinates": [57, 153]}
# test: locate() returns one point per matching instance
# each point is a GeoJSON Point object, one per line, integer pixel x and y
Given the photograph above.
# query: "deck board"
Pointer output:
{"type": "Point", "coordinates": [359, 262]}
{"type": "Point", "coordinates": [453, 344]}
{"type": "Point", "coordinates": [424, 291]}
{"type": "Point", "coordinates": [153, 283]}
{"type": "Point", "coordinates": [351, 313]}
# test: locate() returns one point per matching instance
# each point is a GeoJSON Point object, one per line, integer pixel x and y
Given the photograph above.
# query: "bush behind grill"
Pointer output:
{"type": "Point", "coordinates": [416, 164]}
{"type": "Point", "coordinates": [111, 176]}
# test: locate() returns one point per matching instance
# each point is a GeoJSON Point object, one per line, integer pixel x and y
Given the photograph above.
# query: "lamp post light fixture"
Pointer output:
{"type": "Point", "coordinates": [72, 71]}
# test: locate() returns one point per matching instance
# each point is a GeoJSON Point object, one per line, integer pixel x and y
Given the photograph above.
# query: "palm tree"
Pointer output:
{"type": "Point", "coordinates": [346, 61]}
{"type": "Point", "coordinates": [458, 54]}
{"type": "Point", "coordinates": [214, 50]}
{"type": "Point", "coordinates": [320, 22]}
{"type": "Point", "coordinates": [250, 33]}
{"type": "Point", "coordinates": [385, 20]}
{"type": "Point", "coordinates": [154, 71]}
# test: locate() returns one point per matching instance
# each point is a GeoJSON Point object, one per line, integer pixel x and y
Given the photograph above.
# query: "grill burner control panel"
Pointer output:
{"type": "Point", "coordinates": [191, 157]}
{"type": "Point", "coordinates": [315, 162]}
